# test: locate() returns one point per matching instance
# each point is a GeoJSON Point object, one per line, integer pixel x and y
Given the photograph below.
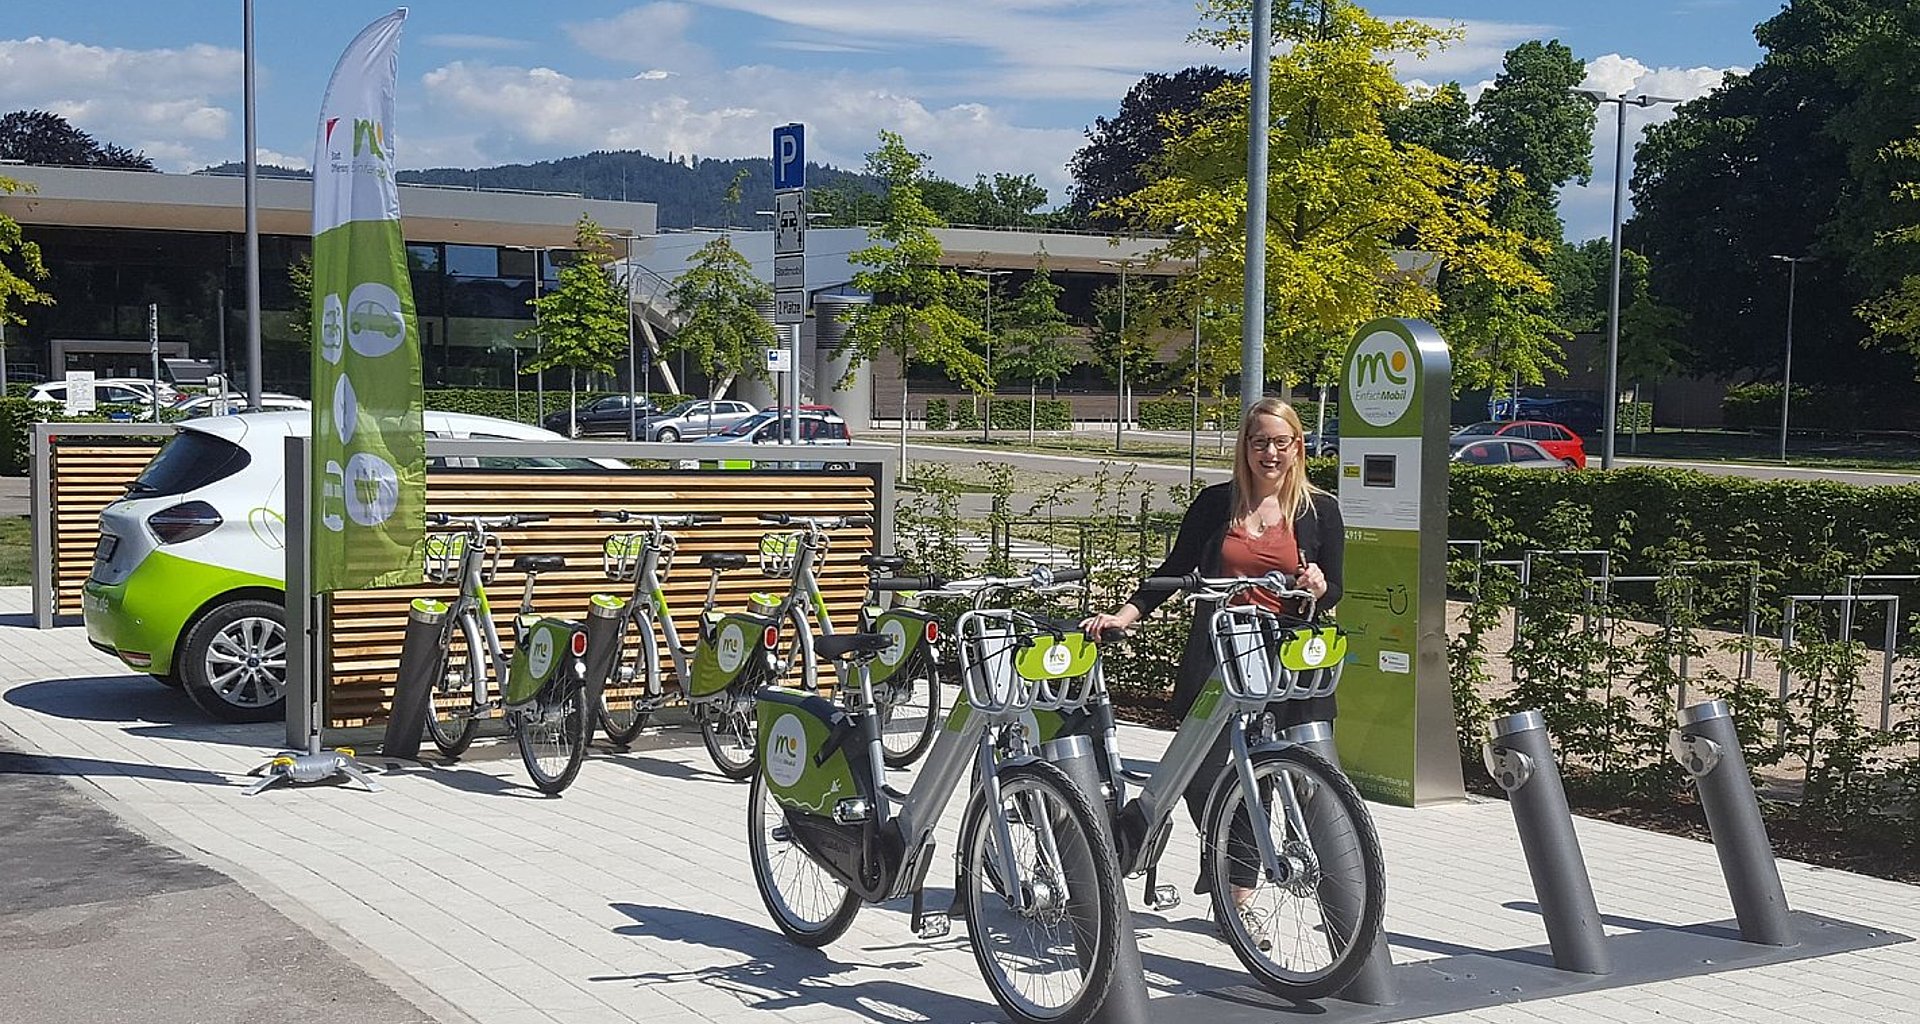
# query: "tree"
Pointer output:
{"type": "Point", "coordinates": [913, 313]}
{"type": "Point", "coordinates": [1120, 148]}
{"type": "Point", "coordinates": [1893, 315]}
{"type": "Point", "coordinates": [1034, 333]}
{"type": "Point", "coordinates": [1439, 119]}
{"type": "Point", "coordinates": [45, 138]}
{"type": "Point", "coordinates": [718, 300]}
{"type": "Point", "coordinates": [1531, 122]}
{"type": "Point", "coordinates": [1007, 201]}
{"type": "Point", "coordinates": [20, 267]}
{"type": "Point", "coordinates": [582, 323]}
{"type": "Point", "coordinates": [1343, 196]}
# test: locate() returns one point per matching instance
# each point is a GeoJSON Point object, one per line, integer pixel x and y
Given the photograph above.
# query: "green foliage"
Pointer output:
{"type": "Point", "coordinates": [582, 323]}
{"type": "Point", "coordinates": [1894, 314]}
{"type": "Point", "coordinates": [1128, 319]}
{"type": "Point", "coordinates": [914, 312]}
{"type": "Point", "coordinates": [1032, 340]}
{"type": "Point", "coordinates": [299, 315]}
{"type": "Point", "coordinates": [1175, 412]}
{"type": "Point", "coordinates": [1006, 201]}
{"type": "Point", "coordinates": [20, 265]}
{"type": "Point", "coordinates": [938, 417]}
{"type": "Point", "coordinates": [718, 300]}
{"type": "Point", "coordinates": [1815, 407]}
{"type": "Point", "coordinates": [18, 415]}
{"type": "Point", "coordinates": [1010, 412]}
{"type": "Point", "coordinates": [43, 137]}
{"type": "Point", "coordinates": [1120, 149]}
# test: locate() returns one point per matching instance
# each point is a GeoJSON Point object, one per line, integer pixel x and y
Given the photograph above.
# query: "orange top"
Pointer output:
{"type": "Point", "coordinates": [1242, 554]}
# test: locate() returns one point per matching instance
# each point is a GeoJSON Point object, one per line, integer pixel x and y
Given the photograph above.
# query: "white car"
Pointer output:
{"type": "Point", "coordinates": [189, 575]}
{"type": "Point", "coordinates": [108, 390]}
{"type": "Point", "coordinates": [771, 427]}
{"type": "Point", "coordinates": [191, 406]}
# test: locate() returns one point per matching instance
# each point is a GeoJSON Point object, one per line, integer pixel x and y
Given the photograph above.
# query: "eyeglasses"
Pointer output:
{"type": "Point", "coordinates": [1276, 442]}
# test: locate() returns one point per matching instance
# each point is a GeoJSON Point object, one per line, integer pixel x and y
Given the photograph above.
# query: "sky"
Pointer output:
{"type": "Point", "coordinates": [981, 86]}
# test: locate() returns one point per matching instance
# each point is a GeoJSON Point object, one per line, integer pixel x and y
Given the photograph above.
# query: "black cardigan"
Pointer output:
{"type": "Point", "coordinates": [1322, 539]}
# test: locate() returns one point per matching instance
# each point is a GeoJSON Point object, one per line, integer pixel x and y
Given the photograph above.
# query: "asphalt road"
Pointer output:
{"type": "Point", "coordinates": [98, 925]}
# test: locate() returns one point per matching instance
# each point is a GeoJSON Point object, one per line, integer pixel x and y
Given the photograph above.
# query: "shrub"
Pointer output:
{"type": "Point", "coordinates": [937, 418]}
{"type": "Point", "coordinates": [17, 416]}
{"type": "Point", "coordinates": [1815, 407]}
{"type": "Point", "coordinates": [1175, 412]}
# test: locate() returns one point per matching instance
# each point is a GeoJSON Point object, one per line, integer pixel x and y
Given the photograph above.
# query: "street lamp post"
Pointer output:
{"type": "Point", "coordinates": [633, 368]}
{"type": "Point", "coordinates": [1612, 410]}
{"type": "Point", "coordinates": [1786, 375]}
{"type": "Point", "coordinates": [1120, 417]}
{"type": "Point", "coordinates": [986, 418]}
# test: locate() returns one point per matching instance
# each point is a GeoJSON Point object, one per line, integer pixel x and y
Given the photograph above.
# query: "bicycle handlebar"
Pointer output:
{"type": "Point", "coordinates": [506, 522]}
{"type": "Point", "coordinates": [1277, 583]}
{"type": "Point", "coordinates": [816, 522]}
{"type": "Point", "coordinates": [663, 522]}
{"type": "Point", "coordinates": [904, 583]}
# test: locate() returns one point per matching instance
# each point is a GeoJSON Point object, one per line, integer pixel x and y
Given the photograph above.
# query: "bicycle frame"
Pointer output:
{"type": "Point", "coordinates": [803, 592]}
{"type": "Point", "coordinates": [473, 605]}
{"type": "Point", "coordinates": [650, 588]}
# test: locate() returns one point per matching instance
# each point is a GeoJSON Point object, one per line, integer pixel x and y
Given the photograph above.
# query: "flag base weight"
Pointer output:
{"type": "Point", "coordinates": [313, 766]}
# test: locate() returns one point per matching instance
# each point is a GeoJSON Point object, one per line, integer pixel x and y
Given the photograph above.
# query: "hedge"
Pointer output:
{"type": "Point", "coordinates": [1009, 413]}
{"type": "Point", "coordinates": [17, 415]}
{"type": "Point", "coordinates": [1807, 536]}
{"type": "Point", "coordinates": [1815, 407]}
{"type": "Point", "coordinates": [1175, 412]}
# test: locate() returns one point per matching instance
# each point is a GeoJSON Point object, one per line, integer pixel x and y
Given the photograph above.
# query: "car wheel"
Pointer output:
{"type": "Point", "coordinates": [1571, 464]}
{"type": "Point", "coordinates": [234, 662]}
{"type": "Point", "coordinates": [668, 435]}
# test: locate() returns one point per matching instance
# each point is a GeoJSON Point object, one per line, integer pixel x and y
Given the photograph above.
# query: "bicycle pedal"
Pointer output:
{"type": "Point", "coordinates": [935, 926]}
{"type": "Point", "coordinates": [1163, 897]}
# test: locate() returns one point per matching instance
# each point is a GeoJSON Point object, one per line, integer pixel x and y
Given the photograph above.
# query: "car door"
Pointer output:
{"type": "Point", "coordinates": [1484, 453]}
{"type": "Point", "coordinates": [726, 414]}
{"type": "Point", "coordinates": [701, 419]}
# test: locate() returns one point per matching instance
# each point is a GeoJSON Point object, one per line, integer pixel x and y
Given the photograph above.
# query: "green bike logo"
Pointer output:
{"type": "Point", "coordinates": [786, 755]}
{"type": "Point", "coordinates": [1380, 378]}
{"type": "Point", "coordinates": [731, 648]}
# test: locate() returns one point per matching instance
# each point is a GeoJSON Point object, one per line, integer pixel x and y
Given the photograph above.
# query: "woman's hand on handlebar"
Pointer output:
{"type": "Point", "coordinates": [1312, 580]}
{"type": "Point", "coordinates": [1097, 625]}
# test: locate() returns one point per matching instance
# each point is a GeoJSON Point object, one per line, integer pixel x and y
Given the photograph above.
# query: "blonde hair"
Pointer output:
{"type": "Point", "coordinates": [1296, 491]}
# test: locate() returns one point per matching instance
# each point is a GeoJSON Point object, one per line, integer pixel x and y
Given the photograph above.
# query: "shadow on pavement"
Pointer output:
{"type": "Point", "coordinates": [143, 706]}
{"type": "Point", "coordinates": [668, 769]}
{"type": "Point", "coordinates": [18, 620]}
{"type": "Point", "coordinates": [85, 767]}
{"type": "Point", "coordinates": [779, 975]}
{"type": "Point", "coordinates": [466, 780]}
{"type": "Point", "coordinates": [1637, 924]}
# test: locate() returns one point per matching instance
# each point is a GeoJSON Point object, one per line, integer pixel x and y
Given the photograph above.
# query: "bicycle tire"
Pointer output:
{"type": "Point", "coordinates": [918, 736]}
{"type": "Point", "coordinates": [452, 732]}
{"type": "Point", "coordinates": [1341, 849]}
{"type": "Point", "coordinates": [770, 853]}
{"type": "Point", "coordinates": [623, 725]}
{"type": "Point", "coordinates": [731, 734]}
{"type": "Point", "coordinates": [567, 738]}
{"type": "Point", "coordinates": [1080, 838]}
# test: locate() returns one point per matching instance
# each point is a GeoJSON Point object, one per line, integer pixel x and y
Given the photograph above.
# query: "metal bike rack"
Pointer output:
{"type": "Point", "coordinates": [1374, 984]}
{"type": "Point", "coordinates": [1708, 746]}
{"type": "Point", "coordinates": [1126, 998]}
{"type": "Point", "coordinates": [1519, 756]}
{"type": "Point", "coordinates": [1891, 642]}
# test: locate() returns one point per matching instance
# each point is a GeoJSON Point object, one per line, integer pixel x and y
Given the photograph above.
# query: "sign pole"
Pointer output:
{"type": "Point", "coordinates": [790, 257]}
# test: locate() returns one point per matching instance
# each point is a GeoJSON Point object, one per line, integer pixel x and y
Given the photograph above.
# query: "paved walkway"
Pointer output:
{"type": "Point", "coordinates": [631, 898]}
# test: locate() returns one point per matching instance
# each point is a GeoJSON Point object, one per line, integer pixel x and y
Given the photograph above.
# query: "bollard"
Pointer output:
{"type": "Point", "coordinates": [1708, 746]}
{"type": "Point", "coordinates": [605, 614]}
{"type": "Point", "coordinates": [1126, 1000]}
{"type": "Point", "coordinates": [1374, 984]}
{"type": "Point", "coordinates": [1520, 758]}
{"type": "Point", "coordinates": [422, 657]}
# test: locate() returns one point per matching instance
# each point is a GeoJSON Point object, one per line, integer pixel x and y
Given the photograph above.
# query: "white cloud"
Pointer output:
{"type": "Point", "coordinates": [466, 41]}
{"type": "Point", "coordinates": [170, 103]}
{"type": "Point", "coordinates": [649, 36]}
{"type": "Point", "coordinates": [1587, 210]}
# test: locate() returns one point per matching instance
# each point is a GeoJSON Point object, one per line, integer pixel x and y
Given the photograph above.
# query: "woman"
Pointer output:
{"type": "Point", "coordinates": [1268, 517]}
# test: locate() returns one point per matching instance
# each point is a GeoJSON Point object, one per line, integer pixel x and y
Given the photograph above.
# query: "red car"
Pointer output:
{"type": "Point", "coordinates": [1559, 442]}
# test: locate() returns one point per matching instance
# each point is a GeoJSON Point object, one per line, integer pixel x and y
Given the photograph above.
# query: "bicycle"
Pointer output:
{"type": "Point", "coordinates": [1036, 880]}
{"type": "Point", "coordinates": [541, 686]}
{"type": "Point", "coordinates": [645, 558]}
{"type": "Point", "coordinates": [1312, 873]}
{"type": "Point", "coordinates": [906, 676]}
{"type": "Point", "coordinates": [716, 678]}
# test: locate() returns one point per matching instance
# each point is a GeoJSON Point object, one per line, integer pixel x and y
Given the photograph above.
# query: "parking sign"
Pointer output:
{"type": "Point", "coordinates": [789, 157]}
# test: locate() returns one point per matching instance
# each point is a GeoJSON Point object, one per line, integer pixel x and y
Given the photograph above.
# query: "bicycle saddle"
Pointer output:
{"type": "Point", "coordinates": [842, 645]}
{"type": "Point", "coordinates": [539, 563]}
{"type": "Point", "coordinates": [885, 563]}
{"type": "Point", "coordinates": [716, 561]}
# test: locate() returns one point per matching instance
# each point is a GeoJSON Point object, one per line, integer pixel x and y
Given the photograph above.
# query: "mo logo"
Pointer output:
{"type": "Point", "coordinates": [1370, 367]}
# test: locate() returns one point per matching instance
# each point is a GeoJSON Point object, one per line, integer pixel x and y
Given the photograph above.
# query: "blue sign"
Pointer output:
{"type": "Point", "coordinates": [789, 157]}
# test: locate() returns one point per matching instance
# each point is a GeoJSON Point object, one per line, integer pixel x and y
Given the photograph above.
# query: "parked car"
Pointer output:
{"type": "Point", "coordinates": [188, 578]}
{"type": "Point", "coordinates": [1583, 416]}
{"type": "Point", "coordinates": [190, 406]}
{"type": "Point", "coordinates": [697, 417]}
{"type": "Point", "coordinates": [608, 415]}
{"type": "Point", "coordinates": [107, 390]}
{"type": "Point", "coordinates": [1556, 440]}
{"type": "Point", "coordinates": [1508, 451]}
{"type": "Point", "coordinates": [819, 425]}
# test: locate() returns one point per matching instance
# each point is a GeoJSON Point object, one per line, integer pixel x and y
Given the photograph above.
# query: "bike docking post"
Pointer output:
{"type": "Point", "coordinates": [1519, 756]}
{"type": "Point", "coordinates": [1126, 1000]}
{"type": "Point", "coordinates": [1374, 984]}
{"type": "Point", "coordinates": [1708, 746]}
{"type": "Point", "coordinates": [414, 682]}
{"type": "Point", "coordinates": [605, 615]}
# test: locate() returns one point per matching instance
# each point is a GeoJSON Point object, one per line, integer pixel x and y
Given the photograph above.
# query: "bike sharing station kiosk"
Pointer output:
{"type": "Point", "coordinates": [1397, 736]}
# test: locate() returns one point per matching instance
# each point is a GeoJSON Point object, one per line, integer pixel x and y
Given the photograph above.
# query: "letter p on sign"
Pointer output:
{"type": "Point", "coordinates": [789, 157]}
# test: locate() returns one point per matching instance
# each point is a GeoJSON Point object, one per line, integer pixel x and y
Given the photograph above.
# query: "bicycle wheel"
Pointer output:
{"type": "Point", "coordinates": [623, 718]}
{"type": "Point", "coordinates": [1305, 934]}
{"type": "Point", "coordinates": [553, 735]}
{"type": "Point", "coordinates": [1051, 962]}
{"type": "Point", "coordinates": [452, 728]}
{"type": "Point", "coordinates": [909, 714]}
{"type": "Point", "coordinates": [730, 733]}
{"type": "Point", "coordinates": [810, 905]}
